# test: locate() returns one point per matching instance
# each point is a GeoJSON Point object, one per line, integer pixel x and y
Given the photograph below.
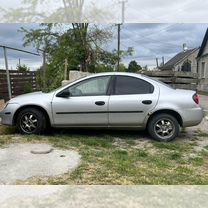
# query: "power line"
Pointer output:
{"type": "Point", "coordinates": [164, 29]}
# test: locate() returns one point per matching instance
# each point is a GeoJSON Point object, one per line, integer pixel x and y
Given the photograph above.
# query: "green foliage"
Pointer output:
{"type": "Point", "coordinates": [103, 68]}
{"type": "Point", "coordinates": [121, 68]}
{"type": "Point", "coordinates": [79, 43]}
{"type": "Point", "coordinates": [22, 68]}
{"type": "Point", "coordinates": [53, 78]}
{"type": "Point", "coordinates": [28, 88]}
{"type": "Point", "coordinates": [134, 67]}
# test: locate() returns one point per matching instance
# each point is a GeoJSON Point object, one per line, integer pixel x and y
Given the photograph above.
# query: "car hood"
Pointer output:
{"type": "Point", "coordinates": [33, 98]}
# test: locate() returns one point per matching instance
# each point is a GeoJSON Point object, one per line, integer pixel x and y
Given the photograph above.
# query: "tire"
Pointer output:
{"type": "Point", "coordinates": [31, 121]}
{"type": "Point", "coordinates": [163, 127]}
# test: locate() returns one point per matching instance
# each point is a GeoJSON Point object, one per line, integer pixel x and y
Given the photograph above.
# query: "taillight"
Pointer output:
{"type": "Point", "coordinates": [196, 98]}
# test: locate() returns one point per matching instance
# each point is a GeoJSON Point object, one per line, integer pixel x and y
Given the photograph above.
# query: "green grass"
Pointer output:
{"type": "Point", "coordinates": [115, 158]}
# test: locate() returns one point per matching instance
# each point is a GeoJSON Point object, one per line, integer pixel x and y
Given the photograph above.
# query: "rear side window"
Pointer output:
{"type": "Point", "coordinates": [126, 85]}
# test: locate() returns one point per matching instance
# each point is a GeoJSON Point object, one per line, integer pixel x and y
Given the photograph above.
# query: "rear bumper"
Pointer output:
{"type": "Point", "coordinates": [192, 117]}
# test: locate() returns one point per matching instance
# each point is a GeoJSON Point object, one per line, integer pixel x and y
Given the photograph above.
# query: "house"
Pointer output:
{"type": "Point", "coordinates": [202, 60]}
{"type": "Point", "coordinates": [185, 61]}
{"type": "Point", "coordinates": [192, 60]}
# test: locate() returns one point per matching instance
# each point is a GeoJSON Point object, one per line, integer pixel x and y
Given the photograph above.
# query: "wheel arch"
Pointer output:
{"type": "Point", "coordinates": [31, 106]}
{"type": "Point", "coordinates": [173, 113]}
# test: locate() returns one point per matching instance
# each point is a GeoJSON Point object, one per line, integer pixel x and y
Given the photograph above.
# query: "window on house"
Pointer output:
{"type": "Point", "coordinates": [203, 70]}
{"type": "Point", "coordinates": [186, 67]}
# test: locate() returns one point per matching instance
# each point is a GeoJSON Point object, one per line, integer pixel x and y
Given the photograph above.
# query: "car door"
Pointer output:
{"type": "Point", "coordinates": [132, 99]}
{"type": "Point", "coordinates": [87, 104]}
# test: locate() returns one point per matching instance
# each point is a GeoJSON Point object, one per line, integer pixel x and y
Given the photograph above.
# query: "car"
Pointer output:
{"type": "Point", "coordinates": [107, 100]}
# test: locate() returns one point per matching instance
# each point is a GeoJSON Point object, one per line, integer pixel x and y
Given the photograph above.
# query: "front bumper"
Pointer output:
{"type": "Point", "coordinates": [7, 114]}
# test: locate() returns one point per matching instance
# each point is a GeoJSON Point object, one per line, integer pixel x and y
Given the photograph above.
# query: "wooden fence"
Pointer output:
{"type": "Point", "coordinates": [20, 83]}
{"type": "Point", "coordinates": [179, 80]}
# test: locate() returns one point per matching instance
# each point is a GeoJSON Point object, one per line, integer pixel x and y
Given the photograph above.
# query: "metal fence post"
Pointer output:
{"type": "Point", "coordinates": [7, 73]}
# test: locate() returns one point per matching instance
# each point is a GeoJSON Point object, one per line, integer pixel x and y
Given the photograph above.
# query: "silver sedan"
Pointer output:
{"type": "Point", "coordinates": [107, 100]}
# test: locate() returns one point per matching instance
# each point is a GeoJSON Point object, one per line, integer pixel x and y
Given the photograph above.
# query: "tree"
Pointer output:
{"type": "Point", "coordinates": [22, 68]}
{"type": "Point", "coordinates": [80, 43]}
{"type": "Point", "coordinates": [134, 67]}
{"type": "Point", "coordinates": [121, 68]}
{"type": "Point", "coordinates": [53, 11]}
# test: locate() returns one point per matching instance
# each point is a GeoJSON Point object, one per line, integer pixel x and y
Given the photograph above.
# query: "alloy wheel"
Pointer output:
{"type": "Point", "coordinates": [29, 123]}
{"type": "Point", "coordinates": [164, 128]}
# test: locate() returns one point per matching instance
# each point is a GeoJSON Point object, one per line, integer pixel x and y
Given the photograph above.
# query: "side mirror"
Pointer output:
{"type": "Point", "coordinates": [64, 94]}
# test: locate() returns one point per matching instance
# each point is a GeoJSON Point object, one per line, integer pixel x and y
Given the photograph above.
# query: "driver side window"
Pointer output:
{"type": "Point", "coordinates": [91, 87]}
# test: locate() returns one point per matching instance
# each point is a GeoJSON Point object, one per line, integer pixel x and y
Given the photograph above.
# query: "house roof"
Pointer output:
{"type": "Point", "coordinates": [203, 44]}
{"type": "Point", "coordinates": [177, 58]}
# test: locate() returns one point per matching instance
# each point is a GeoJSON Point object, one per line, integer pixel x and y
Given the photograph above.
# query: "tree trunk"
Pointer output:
{"type": "Point", "coordinates": [80, 33]}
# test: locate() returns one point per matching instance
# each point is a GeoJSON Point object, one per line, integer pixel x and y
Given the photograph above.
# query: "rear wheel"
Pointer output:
{"type": "Point", "coordinates": [31, 121]}
{"type": "Point", "coordinates": [163, 127]}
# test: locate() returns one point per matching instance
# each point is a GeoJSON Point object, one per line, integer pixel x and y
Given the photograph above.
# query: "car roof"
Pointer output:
{"type": "Point", "coordinates": [115, 73]}
{"type": "Point", "coordinates": [146, 78]}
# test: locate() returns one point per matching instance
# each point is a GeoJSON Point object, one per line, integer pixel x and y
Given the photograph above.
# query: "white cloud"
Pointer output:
{"type": "Point", "coordinates": [109, 11]}
{"type": "Point", "coordinates": [149, 41]}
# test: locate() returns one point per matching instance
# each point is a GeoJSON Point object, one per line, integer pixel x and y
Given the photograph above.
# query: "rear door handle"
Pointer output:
{"type": "Point", "coordinates": [100, 103]}
{"type": "Point", "coordinates": [147, 102]}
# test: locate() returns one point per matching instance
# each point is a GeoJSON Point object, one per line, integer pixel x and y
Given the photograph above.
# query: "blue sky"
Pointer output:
{"type": "Point", "coordinates": [150, 41]}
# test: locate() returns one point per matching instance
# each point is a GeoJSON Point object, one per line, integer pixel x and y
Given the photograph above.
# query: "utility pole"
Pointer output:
{"type": "Point", "coordinates": [157, 62]}
{"type": "Point", "coordinates": [44, 70]}
{"type": "Point", "coordinates": [7, 72]}
{"type": "Point", "coordinates": [119, 44]}
{"type": "Point", "coordinates": [123, 2]}
{"type": "Point", "coordinates": [66, 77]}
{"type": "Point", "coordinates": [163, 60]}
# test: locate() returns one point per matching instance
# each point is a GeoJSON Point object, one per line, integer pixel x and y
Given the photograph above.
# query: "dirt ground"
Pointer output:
{"type": "Point", "coordinates": [1, 104]}
{"type": "Point", "coordinates": [203, 99]}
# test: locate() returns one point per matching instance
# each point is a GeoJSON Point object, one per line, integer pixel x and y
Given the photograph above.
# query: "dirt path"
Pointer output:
{"type": "Point", "coordinates": [1, 104]}
{"type": "Point", "coordinates": [203, 99]}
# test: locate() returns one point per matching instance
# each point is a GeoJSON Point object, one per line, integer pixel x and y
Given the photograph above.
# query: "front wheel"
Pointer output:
{"type": "Point", "coordinates": [163, 127]}
{"type": "Point", "coordinates": [31, 121]}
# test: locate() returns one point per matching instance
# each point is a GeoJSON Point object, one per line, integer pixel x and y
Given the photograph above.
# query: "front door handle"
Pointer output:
{"type": "Point", "coordinates": [100, 103]}
{"type": "Point", "coordinates": [147, 102]}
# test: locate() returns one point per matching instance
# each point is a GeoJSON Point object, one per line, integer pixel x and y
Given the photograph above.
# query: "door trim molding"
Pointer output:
{"type": "Point", "coordinates": [97, 112]}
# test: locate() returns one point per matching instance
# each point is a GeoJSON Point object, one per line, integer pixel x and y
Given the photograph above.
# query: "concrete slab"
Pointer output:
{"type": "Point", "coordinates": [18, 163]}
{"type": "Point", "coordinates": [103, 196]}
